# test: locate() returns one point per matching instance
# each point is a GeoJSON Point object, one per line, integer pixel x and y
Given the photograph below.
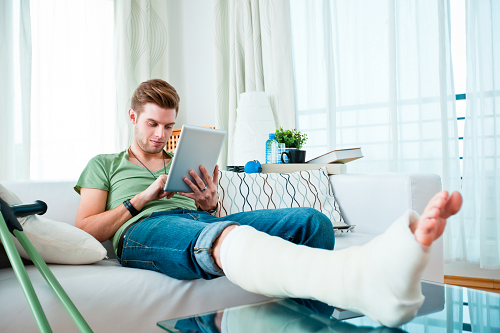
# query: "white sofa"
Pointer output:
{"type": "Point", "coordinates": [116, 299]}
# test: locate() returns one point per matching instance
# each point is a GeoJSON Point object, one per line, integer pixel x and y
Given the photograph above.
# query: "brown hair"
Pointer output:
{"type": "Point", "coordinates": [155, 91]}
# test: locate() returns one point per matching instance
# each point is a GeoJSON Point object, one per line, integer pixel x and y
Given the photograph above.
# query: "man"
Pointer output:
{"type": "Point", "coordinates": [122, 198]}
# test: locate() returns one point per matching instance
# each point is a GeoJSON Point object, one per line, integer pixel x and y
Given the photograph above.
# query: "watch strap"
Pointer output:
{"type": "Point", "coordinates": [130, 208]}
{"type": "Point", "coordinates": [211, 212]}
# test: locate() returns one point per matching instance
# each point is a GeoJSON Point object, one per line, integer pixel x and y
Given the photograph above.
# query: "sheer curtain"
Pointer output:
{"type": "Point", "coordinates": [480, 243]}
{"type": "Point", "coordinates": [252, 48]}
{"type": "Point", "coordinates": [73, 96]}
{"type": "Point", "coordinates": [378, 75]}
{"type": "Point", "coordinates": [15, 87]}
{"type": "Point", "coordinates": [140, 43]}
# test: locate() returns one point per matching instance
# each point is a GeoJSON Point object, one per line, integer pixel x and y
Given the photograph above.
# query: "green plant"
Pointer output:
{"type": "Point", "coordinates": [291, 138]}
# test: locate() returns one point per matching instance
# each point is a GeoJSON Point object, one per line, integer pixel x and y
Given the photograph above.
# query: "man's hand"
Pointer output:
{"type": "Point", "coordinates": [153, 192]}
{"type": "Point", "coordinates": [206, 196]}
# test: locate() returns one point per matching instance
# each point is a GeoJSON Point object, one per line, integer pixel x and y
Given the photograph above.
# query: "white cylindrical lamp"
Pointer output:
{"type": "Point", "coordinates": [254, 122]}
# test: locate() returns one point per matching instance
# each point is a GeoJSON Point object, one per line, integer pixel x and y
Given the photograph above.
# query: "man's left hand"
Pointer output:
{"type": "Point", "coordinates": [205, 196]}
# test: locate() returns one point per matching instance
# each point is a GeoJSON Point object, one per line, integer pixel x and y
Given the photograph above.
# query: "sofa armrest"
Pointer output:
{"type": "Point", "coordinates": [373, 202]}
{"type": "Point", "coordinates": [61, 199]}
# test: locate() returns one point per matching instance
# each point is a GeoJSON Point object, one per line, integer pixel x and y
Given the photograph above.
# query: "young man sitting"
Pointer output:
{"type": "Point", "coordinates": [278, 252]}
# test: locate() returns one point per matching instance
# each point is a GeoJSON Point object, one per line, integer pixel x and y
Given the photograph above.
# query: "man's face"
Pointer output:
{"type": "Point", "coordinates": [153, 127]}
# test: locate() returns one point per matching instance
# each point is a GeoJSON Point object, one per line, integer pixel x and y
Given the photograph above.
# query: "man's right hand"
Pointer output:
{"type": "Point", "coordinates": [153, 192]}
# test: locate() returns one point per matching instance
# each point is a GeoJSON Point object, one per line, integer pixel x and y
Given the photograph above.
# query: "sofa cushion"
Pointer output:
{"type": "Point", "coordinates": [56, 242]}
{"type": "Point", "coordinates": [240, 192]}
{"type": "Point", "coordinates": [112, 298]}
{"type": "Point", "coordinates": [348, 239]}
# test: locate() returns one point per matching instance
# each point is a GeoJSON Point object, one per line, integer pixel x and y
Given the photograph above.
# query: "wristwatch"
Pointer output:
{"type": "Point", "coordinates": [212, 212]}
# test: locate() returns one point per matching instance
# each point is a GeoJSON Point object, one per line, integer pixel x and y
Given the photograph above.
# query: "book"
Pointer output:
{"type": "Point", "coordinates": [332, 169]}
{"type": "Point", "coordinates": [338, 156]}
{"type": "Point", "coordinates": [341, 314]}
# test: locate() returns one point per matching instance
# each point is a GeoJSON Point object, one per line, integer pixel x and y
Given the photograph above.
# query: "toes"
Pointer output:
{"type": "Point", "coordinates": [434, 207]}
{"type": "Point", "coordinates": [434, 213]}
{"type": "Point", "coordinates": [438, 200]}
{"type": "Point", "coordinates": [430, 220]}
{"type": "Point", "coordinates": [440, 229]}
{"type": "Point", "coordinates": [453, 205]}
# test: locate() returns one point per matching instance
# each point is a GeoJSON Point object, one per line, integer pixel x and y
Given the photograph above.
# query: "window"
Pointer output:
{"type": "Point", "coordinates": [368, 75]}
{"type": "Point", "coordinates": [73, 96]}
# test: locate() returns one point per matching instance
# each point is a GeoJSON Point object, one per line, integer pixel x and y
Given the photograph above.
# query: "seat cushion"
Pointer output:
{"type": "Point", "coordinates": [348, 239]}
{"type": "Point", "coordinates": [113, 298]}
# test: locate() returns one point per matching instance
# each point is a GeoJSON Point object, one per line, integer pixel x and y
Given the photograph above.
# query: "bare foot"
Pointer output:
{"type": "Point", "coordinates": [430, 225]}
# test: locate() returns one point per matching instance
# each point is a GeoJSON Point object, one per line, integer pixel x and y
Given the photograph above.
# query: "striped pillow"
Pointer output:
{"type": "Point", "coordinates": [243, 192]}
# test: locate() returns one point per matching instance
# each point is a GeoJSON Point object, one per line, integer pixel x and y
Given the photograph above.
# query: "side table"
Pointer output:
{"type": "Point", "coordinates": [332, 168]}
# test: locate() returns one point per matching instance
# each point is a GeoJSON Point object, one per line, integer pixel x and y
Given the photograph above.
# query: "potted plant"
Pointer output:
{"type": "Point", "coordinates": [293, 140]}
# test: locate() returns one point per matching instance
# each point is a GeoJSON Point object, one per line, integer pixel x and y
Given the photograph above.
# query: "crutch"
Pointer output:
{"type": "Point", "coordinates": [8, 222]}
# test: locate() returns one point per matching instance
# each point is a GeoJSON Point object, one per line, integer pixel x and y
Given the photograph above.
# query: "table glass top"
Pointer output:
{"type": "Point", "coordinates": [446, 309]}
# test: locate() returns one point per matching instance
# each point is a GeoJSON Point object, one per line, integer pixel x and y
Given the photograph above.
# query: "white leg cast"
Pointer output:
{"type": "Point", "coordinates": [380, 279]}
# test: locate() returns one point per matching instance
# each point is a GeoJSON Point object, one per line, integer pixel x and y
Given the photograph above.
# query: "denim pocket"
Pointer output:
{"type": "Point", "coordinates": [149, 265]}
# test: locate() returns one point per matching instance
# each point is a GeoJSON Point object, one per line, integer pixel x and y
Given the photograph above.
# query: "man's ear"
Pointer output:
{"type": "Point", "coordinates": [132, 116]}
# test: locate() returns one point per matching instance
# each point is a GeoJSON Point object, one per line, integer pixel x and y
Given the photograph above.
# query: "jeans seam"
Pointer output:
{"type": "Point", "coordinates": [147, 247]}
{"type": "Point", "coordinates": [133, 241]}
{"type": "Point", "coordinates": [144, 261]}
{"type": "Point", "coordinates": [125, 245]}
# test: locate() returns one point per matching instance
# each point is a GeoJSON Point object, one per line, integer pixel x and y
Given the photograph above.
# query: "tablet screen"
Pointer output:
{"type": "Point", "coordinates": [197, 146]}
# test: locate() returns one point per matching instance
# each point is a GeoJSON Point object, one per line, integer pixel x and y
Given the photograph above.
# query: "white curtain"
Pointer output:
{"type": "Point", "coordinates": [378, 75]}
{"type": "Point", "coordinates": [252, 52]}
{"type": "Point", "coordinates": [15, 89]}
{"type": "Point", "coordinates": [480, 240]}
{"type": "Point", "coordinates": [73, 93]}
{"type": "Point", "coordinates": [140, 54]}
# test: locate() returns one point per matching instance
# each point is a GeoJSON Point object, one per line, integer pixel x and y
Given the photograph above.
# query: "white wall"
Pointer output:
{"type": "Point", "coordinates": [471, 270]}
{"type": "Point", "coordinates": [191, 69]}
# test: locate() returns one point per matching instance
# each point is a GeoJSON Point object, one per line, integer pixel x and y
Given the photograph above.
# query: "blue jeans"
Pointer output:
{"type": "Point", "coordinates": [178, 243]}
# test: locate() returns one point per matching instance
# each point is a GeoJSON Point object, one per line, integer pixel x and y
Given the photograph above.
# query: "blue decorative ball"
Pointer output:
{"type": "Point", "coordinates": [253, 167]}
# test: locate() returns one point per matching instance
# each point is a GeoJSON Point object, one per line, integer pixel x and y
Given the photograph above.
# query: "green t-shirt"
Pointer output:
{"type": "Point", "coordinates": [123, 180]}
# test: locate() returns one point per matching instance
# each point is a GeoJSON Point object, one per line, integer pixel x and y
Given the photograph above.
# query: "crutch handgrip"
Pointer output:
{"type": "Point", "coordinates": [38, 207]}
{"type": "Point", "coordinates": [10, 213]}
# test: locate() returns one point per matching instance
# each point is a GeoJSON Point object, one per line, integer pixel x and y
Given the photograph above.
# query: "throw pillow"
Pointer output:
{"type": "Point", "coordinates": [241, 192]}
{"type": "Point", "coordinates": [56, 242]}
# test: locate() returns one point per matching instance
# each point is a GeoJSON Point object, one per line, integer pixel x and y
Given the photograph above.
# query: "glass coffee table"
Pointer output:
{"type": "Point", "coordinates": [446, 309]}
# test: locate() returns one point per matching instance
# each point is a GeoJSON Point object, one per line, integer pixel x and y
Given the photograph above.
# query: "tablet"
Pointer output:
{"type": "Point", "coordinates": [197, 146]}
